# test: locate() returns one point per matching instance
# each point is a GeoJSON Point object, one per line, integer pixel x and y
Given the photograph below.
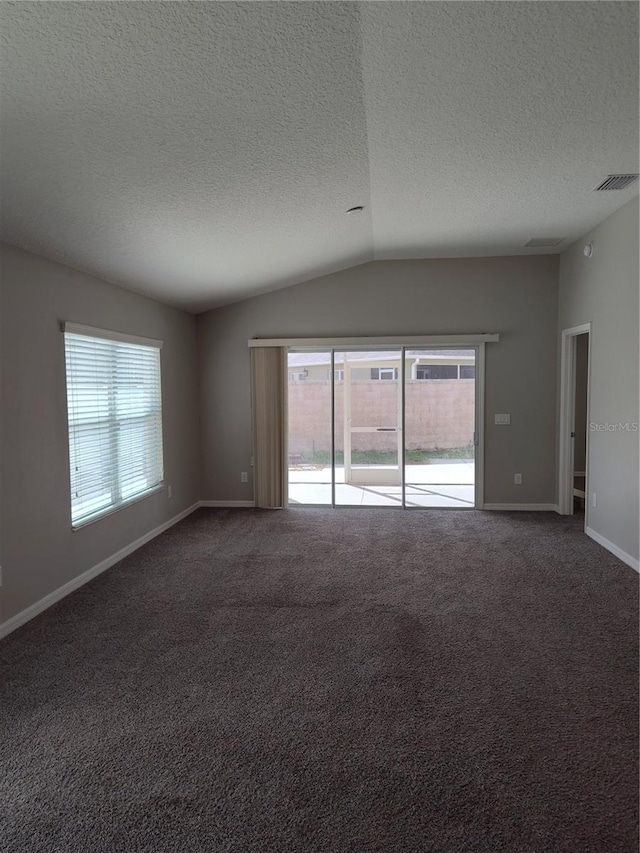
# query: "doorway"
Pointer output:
{"type": "Point", "coordinates": [574, 419]}
{"type": "Point", "coordinates": [579, 432]}
{"type": "Point", "coordinates": [385, 427]}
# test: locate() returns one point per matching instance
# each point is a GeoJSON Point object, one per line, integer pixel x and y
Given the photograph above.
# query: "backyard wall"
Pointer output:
{"type": "Point", "coordinates": [439, 415]}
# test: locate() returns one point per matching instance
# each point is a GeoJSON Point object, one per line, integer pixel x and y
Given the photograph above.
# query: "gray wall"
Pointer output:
{"type": "Point", "coordinates": [516, 297]}
{"type": "Point", "coordinates": [38, 549]}
{"type": "Point", "coordinates": [603, 290]}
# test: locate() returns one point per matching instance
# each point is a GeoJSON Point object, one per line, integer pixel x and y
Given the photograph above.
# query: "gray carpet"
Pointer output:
{"type": "Point", "coordinates": [347, 680]}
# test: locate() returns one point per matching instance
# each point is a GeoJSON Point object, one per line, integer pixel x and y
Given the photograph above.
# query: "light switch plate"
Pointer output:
{"type": "Point", "coordinates": [503, 420]}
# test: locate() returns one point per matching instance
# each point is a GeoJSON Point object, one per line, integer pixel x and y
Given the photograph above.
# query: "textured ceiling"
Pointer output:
{"type": "Point", "coordinates": [203, 152]}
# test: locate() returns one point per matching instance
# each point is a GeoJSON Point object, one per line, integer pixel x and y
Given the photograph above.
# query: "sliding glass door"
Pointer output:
{"type": "Point", "coordinates": [382, 427]}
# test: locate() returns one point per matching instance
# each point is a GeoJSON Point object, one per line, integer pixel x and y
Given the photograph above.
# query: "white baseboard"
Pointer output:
{"type": "Point", "coordinates": [523, 507]}
{"type": "Point", "coordinates": [614, 549]}
{"type": "Point", "coordinates": [228, 503]}
{"type": "Point", "coordinates": [60, 593]}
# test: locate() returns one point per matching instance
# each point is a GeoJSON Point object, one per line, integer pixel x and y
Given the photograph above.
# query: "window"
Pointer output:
{"type": "Point", "coordinates": [467, 371]}
{"type": "Point", "coordinates": [384, 372]}
{"type": "Point", "coordinates": [338, 375]}
{"type": "Point", "coordinates": [436, 371]}
{"type": "Point", "coordinates": [115, 419]}
{"type": "Point", "coordinates": [299, 377]}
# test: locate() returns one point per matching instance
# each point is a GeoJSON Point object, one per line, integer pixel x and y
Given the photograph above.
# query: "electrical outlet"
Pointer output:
{"type": "Point", "coordinates": [244, 477]}
{"type": "Point", "coordinates": [593, 500]}
{"type": "Point", "coordinates": [169, 492]}
{"type": "Point", "coordinates": [517, 479]}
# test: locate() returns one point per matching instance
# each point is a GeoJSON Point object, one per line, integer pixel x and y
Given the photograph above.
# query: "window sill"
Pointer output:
{"type": "Point", "coordinates": [111, 510]}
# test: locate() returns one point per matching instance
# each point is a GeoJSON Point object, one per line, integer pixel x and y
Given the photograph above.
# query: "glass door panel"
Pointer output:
{"type": "Point", "coordinates": [440, 429]}
{"type": "Point", "coordinates": [368, 428]}
{"type": "Point", "coordinates": [309, 428]}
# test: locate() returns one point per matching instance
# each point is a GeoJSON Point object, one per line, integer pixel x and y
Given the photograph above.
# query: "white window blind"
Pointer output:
{"type": "Point", "coordinates": [115, 420]}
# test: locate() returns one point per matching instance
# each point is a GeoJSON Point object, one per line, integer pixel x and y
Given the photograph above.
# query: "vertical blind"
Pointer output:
{"type": "Point", "coordinates": [114, 410]}
{"type": "Point", "coordinates": [269, 413]}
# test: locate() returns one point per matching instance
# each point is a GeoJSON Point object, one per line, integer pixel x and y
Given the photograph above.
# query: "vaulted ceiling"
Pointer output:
{"type": "Point", "coordinates": [203, 152]}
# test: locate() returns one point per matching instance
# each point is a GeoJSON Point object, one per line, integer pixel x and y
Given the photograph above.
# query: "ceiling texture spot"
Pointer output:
{"type": "Point", "coordinates": [201, 153]}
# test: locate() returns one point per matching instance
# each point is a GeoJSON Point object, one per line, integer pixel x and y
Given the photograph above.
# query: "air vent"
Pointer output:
{"type": "Point", "coordinates": [543, 242]}
{"type": "Point", "coordinates": [616, 182]}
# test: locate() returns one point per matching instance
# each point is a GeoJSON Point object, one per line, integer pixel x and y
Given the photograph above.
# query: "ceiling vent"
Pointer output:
{"type": "Point", "coordinates": [616, 182]}
{"type": "Point", "coordinates": [543, 242]}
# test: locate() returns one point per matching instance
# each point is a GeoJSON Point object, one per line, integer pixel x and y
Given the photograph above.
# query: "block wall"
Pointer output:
{"type": "Point", "coordinates": [439, 414]}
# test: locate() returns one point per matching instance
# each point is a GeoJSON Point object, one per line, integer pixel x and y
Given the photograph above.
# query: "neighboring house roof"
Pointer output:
{"type": "Point", "coordinates": [309, 359]}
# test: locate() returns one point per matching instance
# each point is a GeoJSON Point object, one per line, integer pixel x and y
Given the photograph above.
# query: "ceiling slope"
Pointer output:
{"type": "Point", "coordinates": [194, 152]}
{"type": "Point", "coordinates": [492, 123]}
{"type": "Point", "coordinates": [204, 152]}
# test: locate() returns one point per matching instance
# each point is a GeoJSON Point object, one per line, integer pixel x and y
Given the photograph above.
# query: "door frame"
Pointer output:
{"type": "Point", "coordinates": [567, 419]}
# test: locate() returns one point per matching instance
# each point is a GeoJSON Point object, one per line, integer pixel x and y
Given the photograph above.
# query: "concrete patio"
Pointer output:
{"type": "Point", "coordinates": [449, 483]}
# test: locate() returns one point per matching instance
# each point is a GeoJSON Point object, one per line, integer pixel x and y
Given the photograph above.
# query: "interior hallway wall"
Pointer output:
{"type": "Point", "coordinates": [603, 290]}
{"type": "Point", "coordinates": [582, 371]}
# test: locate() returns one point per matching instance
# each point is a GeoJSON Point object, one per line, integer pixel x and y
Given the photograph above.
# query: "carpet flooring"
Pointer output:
{"type": "Point", "coordinates": [348, 680]}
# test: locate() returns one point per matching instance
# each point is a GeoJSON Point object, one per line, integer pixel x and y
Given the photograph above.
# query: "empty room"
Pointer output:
{"type": "Point", "coordinates": [319, 448]}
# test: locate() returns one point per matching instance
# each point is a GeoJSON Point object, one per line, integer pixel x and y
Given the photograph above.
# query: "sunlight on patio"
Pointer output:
{"type": "Point", "coordinates": [439, 484]}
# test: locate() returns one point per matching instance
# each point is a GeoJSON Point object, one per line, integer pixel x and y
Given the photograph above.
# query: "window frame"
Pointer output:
{"type": "Point", "coordinates": [155, 418]}
{"type": "Point", "coordinates": [380, 377]}
{"type": "Point", "coordinates": [421, 368]}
